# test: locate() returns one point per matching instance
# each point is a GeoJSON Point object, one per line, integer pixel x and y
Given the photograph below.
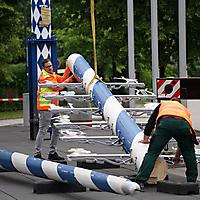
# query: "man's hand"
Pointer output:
{"type": "Point", "coordinates": [177, 156]}
{"type": "Point", "coordinates": [145, 140]}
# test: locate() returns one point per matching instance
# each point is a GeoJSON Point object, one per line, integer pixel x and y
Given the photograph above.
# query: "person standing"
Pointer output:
{"type": "Point", "coordinates": [48, 76]}
{"type": "Point", "coordinates": [170, 119]}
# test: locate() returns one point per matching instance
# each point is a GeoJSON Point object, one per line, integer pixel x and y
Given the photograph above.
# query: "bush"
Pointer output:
{"type": "Point", "coordinates": [11, 106]}
{"type": "Point", "coordinates": [13, 78]}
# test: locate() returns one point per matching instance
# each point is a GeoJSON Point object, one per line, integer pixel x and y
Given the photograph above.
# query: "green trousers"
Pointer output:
{"type": "Point", "coordinates": [169, 128]}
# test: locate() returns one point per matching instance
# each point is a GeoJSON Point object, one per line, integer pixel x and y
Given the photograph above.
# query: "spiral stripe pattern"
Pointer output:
{"type": "Point", "coordinates": [120, 121]}
{"type": "Point", "coordinates": [18, 162]}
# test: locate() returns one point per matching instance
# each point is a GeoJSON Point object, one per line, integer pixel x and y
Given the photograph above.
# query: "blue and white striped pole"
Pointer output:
{"type": "Point", "coordinates": [114, 113]}
{"type": "Point", "coordinates": [17, 162]}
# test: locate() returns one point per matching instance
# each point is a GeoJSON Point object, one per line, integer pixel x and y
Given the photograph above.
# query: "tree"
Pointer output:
{"type": "Point", "coordinates": [11, 42]}
{"type": "Point", "coordinates": [75, 34]}
{"type": "Point", "coordinates": [72, 26]}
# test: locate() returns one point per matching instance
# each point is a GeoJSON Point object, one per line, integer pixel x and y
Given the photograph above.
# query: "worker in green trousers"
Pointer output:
{"type": "Point", "coordinates": [170, 120]}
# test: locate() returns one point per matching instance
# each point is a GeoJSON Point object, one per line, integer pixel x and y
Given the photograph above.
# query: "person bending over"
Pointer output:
{"type": "Point", "coordinates": [171, 120]}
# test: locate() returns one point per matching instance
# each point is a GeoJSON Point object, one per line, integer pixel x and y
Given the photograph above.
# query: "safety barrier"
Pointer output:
{"type": "Point", "coordinates": [11, 104]}
{"type": "Point", "coordinates": [11, 99]}
{"type": "Point", "coordinates": [7, 106]}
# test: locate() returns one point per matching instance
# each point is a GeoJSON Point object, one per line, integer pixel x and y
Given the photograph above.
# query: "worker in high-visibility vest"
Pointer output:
{"type": "Point", "coordinates": [171, 120]}
{"type": "Point", "coordinates": [49, 76]}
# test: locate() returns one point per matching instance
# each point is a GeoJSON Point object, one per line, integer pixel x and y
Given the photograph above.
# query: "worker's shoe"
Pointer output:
{"type": "Point", "coordinates": [38, 155]}
{"type": "Point", "coordinates": [141, 184]}
{"type": "Point", "coordinates": [141, 187]}
{"type": "Point", "coordinates": [55, 157]}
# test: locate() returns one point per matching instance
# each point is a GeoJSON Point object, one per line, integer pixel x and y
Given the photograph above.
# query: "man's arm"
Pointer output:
{"type": "Point", "coordinates": [67, 77]}
{"type": "Point", "coordinates": [150, 125]}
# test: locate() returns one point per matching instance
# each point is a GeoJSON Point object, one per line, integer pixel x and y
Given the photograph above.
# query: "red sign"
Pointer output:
{"type": "Point", "coordinates": [168, 88]}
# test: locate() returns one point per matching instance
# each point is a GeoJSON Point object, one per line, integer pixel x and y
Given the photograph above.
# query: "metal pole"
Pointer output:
{"type": "Point", "coordinates": [154, 44]}
{"type": "Point", "coordinates": [131, 62]}
{"type": "Point", "coordinates": [182, 39]}
{"type": "Point", "coordinates": [41, 46]}
{"type": "Point", "coordinates": [25, 44]}
{"type": "Point", "coordinates": [26, 112]}
{"type": "Point", "coordinates": [26, 107]}
{"type": "Point", "coordinates": [182, 70]}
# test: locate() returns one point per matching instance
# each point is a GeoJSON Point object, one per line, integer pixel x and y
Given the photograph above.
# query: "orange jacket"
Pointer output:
{"type": "Point", "coordinates": [45, 77]}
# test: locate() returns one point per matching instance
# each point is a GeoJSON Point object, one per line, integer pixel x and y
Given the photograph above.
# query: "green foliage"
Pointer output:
{"type": "Point", "coordinates": [72, 26]}
{"type": "Point", "coordinates": [12, 53]}
{"type": "Point", "coordinates": [75, 34]}
{"type": "Point", "coordinates": [194, 66]}
{"type": "Point", "coordinates": [145, 75]}
{"type": "Point", "coordinates": [13, 76]}
{"type": "Point", "coordinates": [74, 30]}
{"type": "Point", "coordinates": [10, 109]}
{"type": "Point", "coordinates": [171, 70]}
{"type": "Point", "coordinates": [11, 32]}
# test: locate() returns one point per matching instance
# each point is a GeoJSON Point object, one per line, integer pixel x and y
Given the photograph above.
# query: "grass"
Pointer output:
{"type": "Point", "coordinates": [11, 114]}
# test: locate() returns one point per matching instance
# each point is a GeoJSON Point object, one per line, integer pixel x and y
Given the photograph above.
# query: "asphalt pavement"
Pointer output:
{"type": "Point", "coordinates": [15, 137]}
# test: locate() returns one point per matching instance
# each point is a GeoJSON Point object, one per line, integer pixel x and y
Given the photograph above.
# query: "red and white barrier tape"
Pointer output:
{"type": "Point", "coordinates": [11, 99]}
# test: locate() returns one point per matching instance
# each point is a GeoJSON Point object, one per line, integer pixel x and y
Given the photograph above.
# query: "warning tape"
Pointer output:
{"type": "Point", "coordinates": [11, 99]}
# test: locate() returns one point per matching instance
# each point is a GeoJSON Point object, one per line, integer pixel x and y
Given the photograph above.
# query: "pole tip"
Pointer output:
{"type": "Point", "coordinates": [130, 187]}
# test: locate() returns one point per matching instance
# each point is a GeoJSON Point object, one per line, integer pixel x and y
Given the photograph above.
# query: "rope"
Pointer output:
{"type": "Point", "coordinates": [93, 33]}
{"type": "Point", "coordinates": [94, 45]}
